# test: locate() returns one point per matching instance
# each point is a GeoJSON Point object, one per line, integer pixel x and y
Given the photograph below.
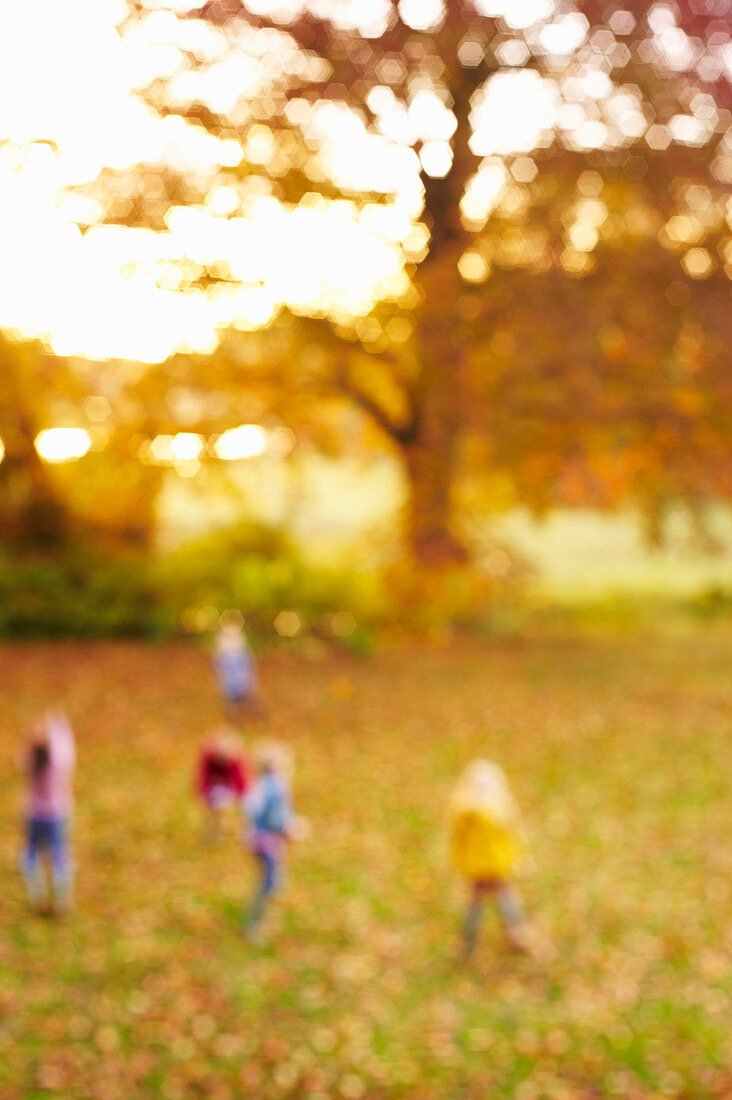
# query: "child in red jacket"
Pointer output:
{"type": "Point", "coordinates": [223, 778]}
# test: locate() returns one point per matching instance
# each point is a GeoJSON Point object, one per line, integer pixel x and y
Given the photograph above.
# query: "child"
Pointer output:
{"type": "Point", "coordinates": [234, 663]}
{"type": "Point", "coordinates": [272, 823]}
{"type": "Point", "coordinates": [486, 849]}
{"type": "Point", "coordinates": [49, 763]}
{"type": "Point", "coordinates": [222, 779]}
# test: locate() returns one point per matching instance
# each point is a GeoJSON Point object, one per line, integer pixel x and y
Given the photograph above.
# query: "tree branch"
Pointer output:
{"type": "Point", "coordinates": [398, 433]}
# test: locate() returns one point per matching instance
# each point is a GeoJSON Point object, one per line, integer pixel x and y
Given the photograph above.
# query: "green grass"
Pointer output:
{"type": "Point", "coordinates": [620, 754]}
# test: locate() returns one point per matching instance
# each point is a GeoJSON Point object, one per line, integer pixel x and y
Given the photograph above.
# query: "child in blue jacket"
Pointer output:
{"type": "Point", "coordinates": [272, 822]}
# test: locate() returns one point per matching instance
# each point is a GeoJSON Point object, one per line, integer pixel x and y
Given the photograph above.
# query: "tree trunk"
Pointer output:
{"type": "Point", "coordinates": [431, 450]}
{"type": "Point", "coordinates": [431, 538]}
{"type": "Point", "coordinates": [31, 515]}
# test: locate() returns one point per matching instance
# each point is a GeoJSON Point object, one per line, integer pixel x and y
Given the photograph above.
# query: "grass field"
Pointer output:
{"type": "Point", "coordinates": [620, 753]}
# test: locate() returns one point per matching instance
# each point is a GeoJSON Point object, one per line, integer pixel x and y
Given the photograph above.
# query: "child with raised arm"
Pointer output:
{"type": "Point", "coordinates": [486, 849]}
{"type": "Point", "coordinates": [272, 823]}
{"type": "Point", "coordinates": [48, 765]}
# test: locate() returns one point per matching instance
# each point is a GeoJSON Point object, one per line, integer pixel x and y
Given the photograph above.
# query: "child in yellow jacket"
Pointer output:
{"type": "Point", "coordinates": [486, 849]}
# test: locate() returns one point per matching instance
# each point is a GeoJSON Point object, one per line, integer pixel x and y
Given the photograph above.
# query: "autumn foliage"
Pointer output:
{"type": "Point", "coordinates": [556, 330]}
{"type": "Point", "coordinates": [567, 334]}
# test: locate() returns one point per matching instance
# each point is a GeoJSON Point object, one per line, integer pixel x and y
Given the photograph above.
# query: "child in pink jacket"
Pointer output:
{"type": "Point", "coordinates": [49, 765]}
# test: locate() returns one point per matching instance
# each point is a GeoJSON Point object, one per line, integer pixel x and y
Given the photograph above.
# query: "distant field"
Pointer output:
{"type": "Point", "coordinates": [620, 752]}
{"type": "Point", "coordinates": [333, 506]}
{"type": "Point", "coordinates": [580, 555]}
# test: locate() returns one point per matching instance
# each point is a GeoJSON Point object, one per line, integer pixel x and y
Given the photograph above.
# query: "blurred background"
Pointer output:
{"type": "Point", "coordinates": [361, 315]}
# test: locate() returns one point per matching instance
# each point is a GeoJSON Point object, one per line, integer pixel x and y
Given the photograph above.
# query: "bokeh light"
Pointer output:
{"type": "Point", "coordinates": [186, 446]}
{"type": "Point", "coordinates": [246, 441]}
{"type": "Point", "coordinates": [203, 242]}
{"type": "Point", "coordinates": [63, 444]}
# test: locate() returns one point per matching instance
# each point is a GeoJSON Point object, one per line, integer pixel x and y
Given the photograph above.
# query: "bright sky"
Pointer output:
{"type": "Point", "coordinates": [66, 78]}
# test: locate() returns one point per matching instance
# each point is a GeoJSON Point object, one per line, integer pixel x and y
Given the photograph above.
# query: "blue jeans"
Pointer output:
{"type": "Point", "coordinates": [47, 836]}
{"type": "Point", "coordinates": [269, 867]}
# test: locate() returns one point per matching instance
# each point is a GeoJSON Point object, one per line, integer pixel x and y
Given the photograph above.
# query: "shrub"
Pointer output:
{"type": "Point", "coordinates": [78, 593]}
{"type": "Point", "coordinates": [260, 571]}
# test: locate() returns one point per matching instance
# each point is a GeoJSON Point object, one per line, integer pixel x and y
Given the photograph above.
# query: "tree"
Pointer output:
{"type": "Point", "coordinates": [562, 320]}
{"type": "Point", "coordinates": [111, 498]}
{"type": "Point", "coordinates": [31, 511]}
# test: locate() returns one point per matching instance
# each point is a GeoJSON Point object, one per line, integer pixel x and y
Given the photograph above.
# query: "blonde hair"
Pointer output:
{"type": "Point", "coordinates": [275, 756]}
{"type": "Point", "coordinates": [483, 787]}
{"type": "Point", "coordinates": [225, 742]}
